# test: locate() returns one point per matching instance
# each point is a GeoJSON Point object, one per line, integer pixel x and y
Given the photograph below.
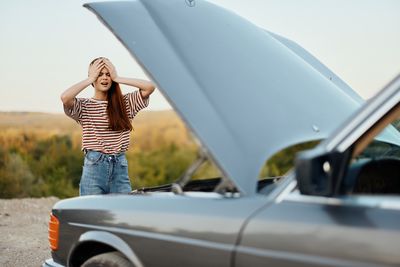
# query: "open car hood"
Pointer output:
{"type": "Point", "coordinates": [245, 92]}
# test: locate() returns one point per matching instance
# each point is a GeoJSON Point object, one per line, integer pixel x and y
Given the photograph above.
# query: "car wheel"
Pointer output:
{"type": "Point", "coordinates": [110, 259]}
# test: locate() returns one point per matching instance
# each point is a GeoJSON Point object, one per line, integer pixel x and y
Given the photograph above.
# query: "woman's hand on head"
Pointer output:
{"type": "Point", "coordinates": [111, 69]}
{"type": "Point", "coordinates": [95, 69]}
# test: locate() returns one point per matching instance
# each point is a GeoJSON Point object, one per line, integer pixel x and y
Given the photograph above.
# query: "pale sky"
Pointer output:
{"type": "Point", "coordinates": [46, 45]}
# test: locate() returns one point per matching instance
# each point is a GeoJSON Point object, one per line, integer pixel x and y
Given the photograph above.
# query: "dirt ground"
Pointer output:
{"type": "Point", "coordinates": [23, 231]}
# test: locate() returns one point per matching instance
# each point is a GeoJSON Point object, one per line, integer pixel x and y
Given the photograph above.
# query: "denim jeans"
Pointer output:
{"type": "Point", "coordinates": [104, 173]}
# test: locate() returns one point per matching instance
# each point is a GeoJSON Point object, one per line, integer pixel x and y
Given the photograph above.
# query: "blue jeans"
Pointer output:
{"type": "Point", "coordinates": [104, 174]}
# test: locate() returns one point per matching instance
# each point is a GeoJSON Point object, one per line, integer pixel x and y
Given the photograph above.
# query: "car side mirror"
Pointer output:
{"type": "Point", "coordinates": [318, 172]}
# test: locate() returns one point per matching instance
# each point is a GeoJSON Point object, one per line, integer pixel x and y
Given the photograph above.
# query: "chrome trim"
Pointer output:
{"type": "Point", "coordinates": [381, 202]}
{"type": "Point", "coordinates": [159, 236]}
{"type": "Point", "coordinates": [51, 263]}
{"type": "Point", "coordinates": [302, 258]}
{"type": "Point", "coordinates": [373, 117]}
{"type": "Point", "coordinates": [297, 197]}
{"type": "Point", "coordinates": [366, 117]}
{"type": "Point", "coordinates": [291, 185]}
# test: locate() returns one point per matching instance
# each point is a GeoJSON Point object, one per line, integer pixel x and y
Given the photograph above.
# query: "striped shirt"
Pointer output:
{"type": "Point", "coordinates": [91, 114]}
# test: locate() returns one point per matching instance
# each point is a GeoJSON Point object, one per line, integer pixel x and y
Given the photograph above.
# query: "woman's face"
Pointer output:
{"type": "Point", "coordinates": [103, 81]}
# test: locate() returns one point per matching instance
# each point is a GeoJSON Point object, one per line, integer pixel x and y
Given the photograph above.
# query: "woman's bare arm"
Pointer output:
{"type": "Point", "coordinates": [146, 87]}
{"type": "Point", "coordinates": [67, 97]}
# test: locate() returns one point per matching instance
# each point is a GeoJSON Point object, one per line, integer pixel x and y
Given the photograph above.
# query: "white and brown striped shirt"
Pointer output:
{"type": "Point", "coordinates": [91, 114]}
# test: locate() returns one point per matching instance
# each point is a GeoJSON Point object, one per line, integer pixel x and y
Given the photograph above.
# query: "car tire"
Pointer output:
{"type": "Point", "coordinates": [109, 259]}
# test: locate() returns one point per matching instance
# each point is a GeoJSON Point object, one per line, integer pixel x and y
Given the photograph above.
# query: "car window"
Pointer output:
{"type": "Point", "coordinates": [375, 164]}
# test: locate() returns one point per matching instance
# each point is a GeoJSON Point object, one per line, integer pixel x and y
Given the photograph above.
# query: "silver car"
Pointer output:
{"type": "Point", "coordinates": [246, 94]}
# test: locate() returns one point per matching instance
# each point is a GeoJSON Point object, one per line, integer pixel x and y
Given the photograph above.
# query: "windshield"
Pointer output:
{"type": "Point", "coordinates": [375, 165]}
{"type": "Point", "coordinates": [385, 145]}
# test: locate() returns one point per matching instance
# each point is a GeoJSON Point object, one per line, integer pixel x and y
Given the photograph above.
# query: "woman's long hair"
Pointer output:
{"type": "Point", "coordinates": [116, 108]}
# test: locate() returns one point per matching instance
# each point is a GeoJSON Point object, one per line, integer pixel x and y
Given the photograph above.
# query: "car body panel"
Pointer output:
{"type": "Point", "coordinates": [390, 135]}
{"type": "Point", "coordinates": [185, 230]}
{"type": "Point", "coordinates": [317, 65]}
{"type": "Point", "coordinates": [236, 73]}
{"type": "Point", "coordinates": [319, 231]}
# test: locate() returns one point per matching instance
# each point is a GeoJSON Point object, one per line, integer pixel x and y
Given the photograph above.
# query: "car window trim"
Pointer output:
{"type": "Point", "coordinates": [365, 118]}
{"type": "Point", "coordinates": [367, 201]}
{"type": "Point", "coordinates": [374, 131]}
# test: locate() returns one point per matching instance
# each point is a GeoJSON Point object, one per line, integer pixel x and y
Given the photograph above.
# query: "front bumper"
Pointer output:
{"type": "Point", "coordinates": [51, 263]}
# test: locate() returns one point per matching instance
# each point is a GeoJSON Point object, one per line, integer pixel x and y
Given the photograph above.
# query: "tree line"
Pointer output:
{"type": "Point", "coordinates": [32, 165]}
{"type": "Point", "coordinates": [46, 159]}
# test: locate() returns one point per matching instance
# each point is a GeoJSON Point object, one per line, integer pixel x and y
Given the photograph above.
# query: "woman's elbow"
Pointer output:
{"type": "Point", "coordinates": [65, 99]}
{"type": "Point", "coordinates": [147, 91]}
{"type": "Point", "coordinates": [151, 88]}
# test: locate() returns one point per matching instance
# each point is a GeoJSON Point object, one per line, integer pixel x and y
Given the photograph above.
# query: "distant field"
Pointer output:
{"type": "Point", "coordinates": [37, 121]}
{"type": "Point", "coordinates": [40, 153]}
{"type": "Point", "coordinates": [151, 128]}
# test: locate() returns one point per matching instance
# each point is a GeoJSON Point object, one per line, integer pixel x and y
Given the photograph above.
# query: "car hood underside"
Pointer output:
{"type": "Point", "coordinates": [246, 93]}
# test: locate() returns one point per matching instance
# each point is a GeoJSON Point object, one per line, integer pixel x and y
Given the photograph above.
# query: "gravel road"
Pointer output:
{"type": "Point", "coordinates": [23, 231]}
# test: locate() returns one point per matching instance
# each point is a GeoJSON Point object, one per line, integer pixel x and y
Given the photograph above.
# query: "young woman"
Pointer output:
{"type": "Point", "coordinates": [106, 125]}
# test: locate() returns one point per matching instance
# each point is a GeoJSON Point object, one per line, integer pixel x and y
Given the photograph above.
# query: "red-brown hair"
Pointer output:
{"type": "Point", "coordinates": [116, 108]}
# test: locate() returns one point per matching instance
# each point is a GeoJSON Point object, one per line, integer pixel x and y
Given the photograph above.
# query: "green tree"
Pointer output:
{"type": "Point", "coordinates": [16, 177]}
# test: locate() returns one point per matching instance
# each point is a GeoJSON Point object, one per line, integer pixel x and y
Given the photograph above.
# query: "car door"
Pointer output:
{"type": "Point", "coordinates": [321, 231]}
